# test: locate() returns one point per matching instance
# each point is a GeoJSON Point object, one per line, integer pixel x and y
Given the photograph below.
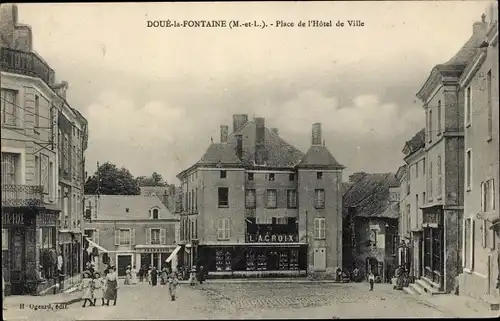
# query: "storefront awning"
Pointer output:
{"type": "Point", "coordinates": [94, 244]}
{"type": "Point", "coordinates": [174, 253]}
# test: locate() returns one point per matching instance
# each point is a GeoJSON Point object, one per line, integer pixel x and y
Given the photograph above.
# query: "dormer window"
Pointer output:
{"type": "Point", "coordinates": [154, 215]}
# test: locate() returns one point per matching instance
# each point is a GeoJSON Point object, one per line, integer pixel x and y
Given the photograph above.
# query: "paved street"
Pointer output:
{"type": "Point", "coordinates": [251, 300]}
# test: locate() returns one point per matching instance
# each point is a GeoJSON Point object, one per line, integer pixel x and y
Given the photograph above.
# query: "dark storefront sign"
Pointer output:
{"type": "Point", "coordinates": [272, 238]}
{"type": "Point", "coordinates": [12, 218]}
{"type": "Point", "coordinates": [46, 219]}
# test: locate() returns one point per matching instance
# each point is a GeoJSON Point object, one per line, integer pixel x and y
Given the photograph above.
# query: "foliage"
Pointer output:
{"type": "Point", "coordinates": [154, 180]}
{"type": "Point", "coordinates": [112, 181]}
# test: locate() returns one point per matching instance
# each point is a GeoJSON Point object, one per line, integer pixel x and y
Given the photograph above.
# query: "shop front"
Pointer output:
{"type": "Point", "coordinates": [153, 255]}
{"type": "Point", "coordinates": [433, 245]}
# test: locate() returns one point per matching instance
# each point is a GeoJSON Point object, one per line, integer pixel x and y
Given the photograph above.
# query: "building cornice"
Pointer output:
{"type": "Point", "coordinates": [34, 80]}
{"type": "Point", "coordinates": [440, 75]}
{"type": "Point", "coordinates": [411, 158]}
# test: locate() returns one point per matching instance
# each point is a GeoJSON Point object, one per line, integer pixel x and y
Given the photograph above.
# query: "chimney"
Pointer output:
{"type": "Point", "coordinates": [316, 134]}
{"type": "Point", "coordinates": [224, 131]}
{"type": "Point", "coordinates": [275, 131]}
{"type": "Point", "coordinates": [239, 146]}
{"type": "Point", "coordinates": [239, 120]}
{"type": "Point", "coordinates": [260, 143]}
{"type": "Point", "coordinates": [480, 27]}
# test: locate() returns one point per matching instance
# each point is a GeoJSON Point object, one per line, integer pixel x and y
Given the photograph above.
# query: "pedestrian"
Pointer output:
{"type": "Point", "coordinates": [128, 275]}
{"type": "Point", "coordinates": [154, 276]}
{"type": "Point", "coordinates": [86, 287]}
{"type": "Point", "coordinates": [149, 274]}
{"type": "Point", "coordinates": [201, 275]}
{"type": "Point", "coordinates": [98, 288]}
{"type": "Point", "coordinates": [173, 281]}
{"type": "Point", "coordinates": [111, 292]}
{"type": "Point", "coordinates": [134, 275]}
{"type": "Point", "coordinates": [192, 276]}
{"type": "Point", "coordinates": [371, 279]}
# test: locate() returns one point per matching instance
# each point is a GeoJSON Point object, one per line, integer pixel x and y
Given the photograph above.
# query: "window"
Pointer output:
{"type": "Point", "coordinates": [250, 176]}
{"type": "Point", "coordinates": [423, 166]}
{"type": "Point", "coordinates": [271, 198]}
{"type": "Point", "coordinates": [155, 214]}
{"type": "Point", "coordinates": [9, 107]}
{"type": "Point", "coordinates": [416, 170]}
{"type": "Point", "coordinates": [9, 166]}
{"type": "Point", "coordinates": [319, 228]}
{"type": "Point", "coordinates": [408, 181]}
{"type": "Point", "coordinates": [155, 236]}
{"type": "Point", "coordinates": [408, 216]}
{"type": "Point", "coordinates": [223, 229]}
{"type": "Point", "coordinates": [439, 181]}
{"type": "Point", "coordinates": [438, 118]}
{"type": "Point", "coordinates": [488, 196]}
{"type": "Point", "coordinates": [468, 106]}
{"type": "Point", "coordinates": [47, 238]}
{"type": "Point", "coordinates": [468, 169]}
{"type": "Point", "coordinates": [37, 112]}
{"type": "Point", "coordinates": [196, 228]}
{"type": "Point", "coordinates": [373, 238]}
{"type": "Point", "coordinates": [223, 174]}
{"type": "Point", "coordinates": [250, 199]}
{"type": "Point", "coordinates": [5, 239]}
{"type": "Point", "coordinates": [196, 199]}
{"type": "Point", "coordinates": [223, 197]}
{"type": "Point", "coordinates": [484, 234]}
{"type": "Point", "coordinates": [423, 198]}
{"type": "Point", "coordinates": [271, 176]}
{"type": "Point", "coordinates": [124, 236]}
{"type": "Point", "coordinates": [468, 241]}
{"type": "Point", "coordinates": [429, 184]}
{"type": "Point", "coordinates": [291, 177]}
{"type": "Point", "coordinates": [282, 220]}
{"type": "Point", "coordinates": [430, 126]}
{"type": "Point", "coordinates": [37, 170]}
{"type": "Point", "coordinates": [490, 106]}
{"type": "Point", "coordinates": [291, 198]}
{"type": "Point", "coordinates": [319, 175]}
{"type": "Point", "coordinates": [319, 198]}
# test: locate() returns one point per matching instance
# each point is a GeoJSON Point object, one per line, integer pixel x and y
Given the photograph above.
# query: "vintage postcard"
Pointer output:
{"type": "Point", "coordinates": [250, 160]}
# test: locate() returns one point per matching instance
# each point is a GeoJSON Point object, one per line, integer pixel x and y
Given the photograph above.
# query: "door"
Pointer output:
{"type": "Point", "coordinates": [320, 259]}
{"type": "Point", "coordinates": [17, 260]}
{"type": "Point", "coordinates": [123, 262]}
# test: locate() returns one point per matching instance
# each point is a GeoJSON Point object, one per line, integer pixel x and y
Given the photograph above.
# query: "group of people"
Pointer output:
{"type": "Point", "coordinates": [95, 287]}
{"type": "Point", "coordinates": [131, 275]}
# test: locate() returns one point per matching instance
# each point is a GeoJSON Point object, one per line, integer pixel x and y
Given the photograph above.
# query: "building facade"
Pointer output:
{"type": "Point", "coordinates": [168, 195]}
{"type": "Point", "coordinates": [256, 205]}
{"type": "Point", "coordinates": [130, 230]}
{"type": "Point", "coordinates": [30, 204]}
{"type": "Point", "coordinates": [479, 86]}
{"type": "Point", "coordinates": [371, 218]}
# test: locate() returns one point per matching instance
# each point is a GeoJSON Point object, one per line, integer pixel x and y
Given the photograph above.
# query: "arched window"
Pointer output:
{"type": "Point", "coordinates": [155, 214]}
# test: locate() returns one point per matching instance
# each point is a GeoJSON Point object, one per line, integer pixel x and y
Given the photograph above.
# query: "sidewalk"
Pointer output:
{"type": "Point", "coordinates": [265, 280]}
{"type": "Point", "coordinates": [459, 306]}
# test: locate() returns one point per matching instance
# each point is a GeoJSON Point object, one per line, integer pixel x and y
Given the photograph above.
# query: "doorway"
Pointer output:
{"type": "Point", "coordinates": [17, 260]}
{"type": "Point", "coordinates": [433, 254]}
{"type": "Point", "coordinates": [320, 259]}
{"type": "Point", "coordinates": [123, 262]}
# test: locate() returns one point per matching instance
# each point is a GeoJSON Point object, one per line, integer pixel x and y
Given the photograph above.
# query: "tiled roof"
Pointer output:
{"type": "Point", "coordinates": [279, 152]}
{"type": "Point", "coordinates": [114, 207]}
{"type": "Point", "coordinates": [219, 153]}
{"type": "Point", "coordinates": [469, 49]}
{"type": "Point", "coordinates": [370, 196]}
{"type": "Point", "coordinates": [319, 157]}
{"type": "Point", "coordinates": [417, 141]}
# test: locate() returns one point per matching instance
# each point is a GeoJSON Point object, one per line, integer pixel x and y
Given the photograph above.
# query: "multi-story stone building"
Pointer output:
{"type": "Point", "coordinates": [256, 205]}
{"type": "Point", "coordinates": [442, 212]}
{"type": "Point", "coordinates": [132, 230]}
{"type": "Point", "coordinates": [415, 191]}
{"type": "Point", "coordinates": [479, 87]}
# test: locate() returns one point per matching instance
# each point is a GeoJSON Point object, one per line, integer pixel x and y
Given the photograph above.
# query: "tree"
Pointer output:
{"type": "Point", "coordinates": [110, 180]}
{"type": "Point", "coordinates": [154, 180]}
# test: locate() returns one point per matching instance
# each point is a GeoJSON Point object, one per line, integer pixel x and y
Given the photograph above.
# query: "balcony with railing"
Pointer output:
{"type": "Point", "coordinates": [22, 195]}
{"type": "Point", "coordinates": [26, 63]}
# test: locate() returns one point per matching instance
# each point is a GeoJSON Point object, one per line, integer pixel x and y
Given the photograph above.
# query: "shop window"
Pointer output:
{"type": "Point", "coordinates": [271, 198]}
{"type": "Point", "coordinates": [223, 197]}
{"type": "Point", "coordinates": [5, 239]}
{"type": "Point", "coordinates": [319, 228]}
{"type": "Point", "coordinates": [283, 263]}
{"type": "Point", "coordinates": [292, 198]}
{"type": "Point", "coordinates": [250, 260]}
{"type": "Point", "coordinates": [319, 199]}
{"type": "Point", "coordinates": [250, 199]}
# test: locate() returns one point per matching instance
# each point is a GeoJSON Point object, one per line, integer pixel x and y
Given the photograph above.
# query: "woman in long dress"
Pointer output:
{"type": "Point", "coordinates": [128, 275]}
{"type": "Point", "coordinates": [111, 292]}
{"type": "Point", "coordinates": [154, 276]}
{"type": "Point", "coordinates": [98, 288]}
{"type": "Point", "coordinates": [86, 288]}
{"type": "Point", "coordinates": [172, 285]}
{"type": "Point", "coordinates": [134, 275]}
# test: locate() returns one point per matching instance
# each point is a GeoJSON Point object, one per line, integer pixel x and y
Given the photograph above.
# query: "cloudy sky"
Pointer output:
{"type": "Point", "coordinates": [154, 97]}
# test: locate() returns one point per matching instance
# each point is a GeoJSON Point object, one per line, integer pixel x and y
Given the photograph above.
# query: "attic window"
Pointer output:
{"type": "Point", "coordinates": [319, 175]}
{"type": "Point", "coordinates": [155, 214]}
{"type": "Point", "coordinates": [127, 210]}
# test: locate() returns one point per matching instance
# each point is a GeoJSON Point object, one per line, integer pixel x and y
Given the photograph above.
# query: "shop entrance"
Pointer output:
{"type": "Point", "coordinates": [433, 254]}
{"type": "Point", "coordinates": [17, 260]}
{"type": "Point", "coordinates": [123, 262]}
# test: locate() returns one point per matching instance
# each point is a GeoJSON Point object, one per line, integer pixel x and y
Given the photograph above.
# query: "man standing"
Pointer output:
{"type": "Point", "coordinates": [201, 275]}
{"type": "Point", "coordinates": [60, 274]}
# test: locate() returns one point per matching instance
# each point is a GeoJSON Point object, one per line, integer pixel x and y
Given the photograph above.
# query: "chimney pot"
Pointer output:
{"type": "Point", "coordinates": [239, 120]}
{"type": "Point", "coordinates": [224, 132]}
{"type": "Point", "coordinates": [316, 134]}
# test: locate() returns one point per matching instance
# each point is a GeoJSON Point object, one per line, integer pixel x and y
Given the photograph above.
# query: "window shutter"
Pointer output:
{"type": "Point", "coordinates": [117, 237]}
{"type": "Point", "coordinates": [132, 236]}
{"type": "Point", "coordinates": [163, 236]}
{"type": "Point", "coordinates": [96, 237]}
{"type": "Point", "coordinates": [472, 233]}
{"type": "Point", "coordinates": [148, 236]}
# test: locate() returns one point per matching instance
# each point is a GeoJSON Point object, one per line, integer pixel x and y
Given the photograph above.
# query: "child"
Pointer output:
{"type": "Point", "coordinates": [371, 279]}
{"type": "Point", "coordinates": [86, 288]}
{"type": "Point", "coordinates": [98, 288]}
{"type": "Point", "coordinates": [172, 285]}
{"type": "Point", "coordinates": [149, 275]}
